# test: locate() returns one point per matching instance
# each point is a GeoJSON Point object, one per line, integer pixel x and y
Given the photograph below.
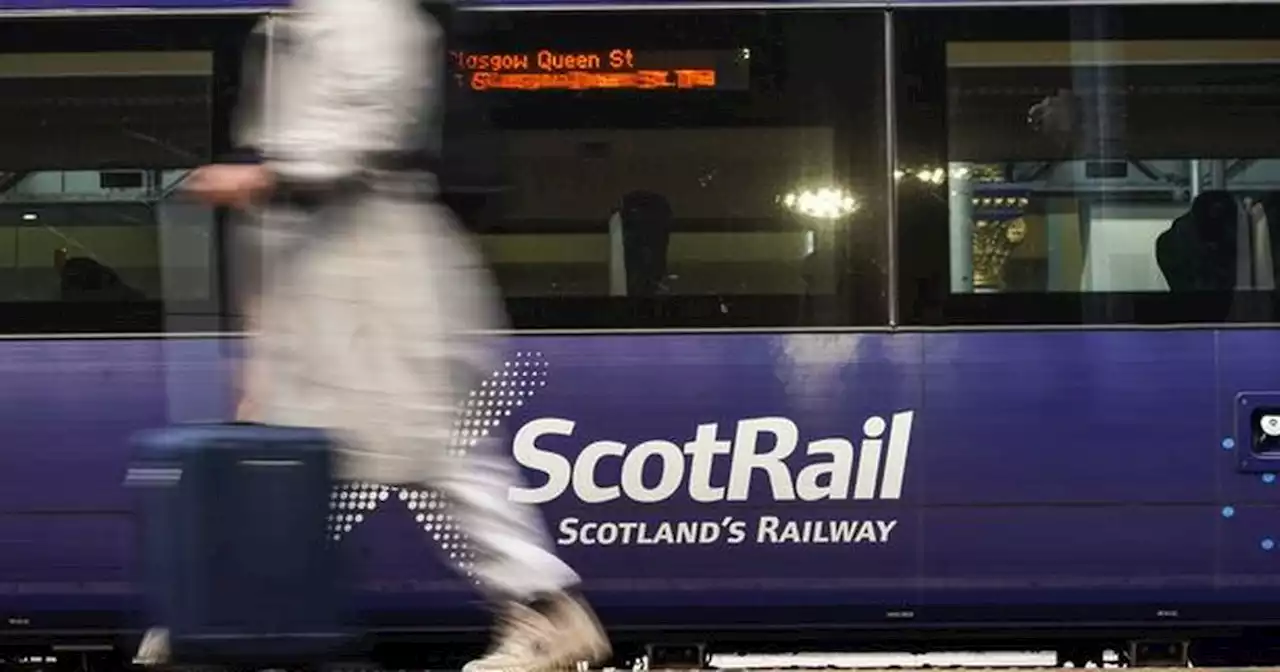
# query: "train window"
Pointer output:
{"type": "Point", "coordinates": [1088, 165]}
{"type": "Point", "coordinates": [76, 252]}
{"type": "Point", "coordinates": [668, 170]}
{"type": "Point", "coordinates": [102, 120]}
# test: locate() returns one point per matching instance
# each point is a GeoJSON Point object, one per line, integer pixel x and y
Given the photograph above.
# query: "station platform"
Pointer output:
{"type": "Point", "coordinates": [1010, 661]}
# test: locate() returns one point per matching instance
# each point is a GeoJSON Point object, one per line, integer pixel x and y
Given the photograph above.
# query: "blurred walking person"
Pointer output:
{"type": "Point", "coordinates": [372, 303]}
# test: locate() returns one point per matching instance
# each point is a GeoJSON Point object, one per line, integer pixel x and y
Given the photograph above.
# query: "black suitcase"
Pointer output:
{"type": "Point", "coordinates": [239, 564]}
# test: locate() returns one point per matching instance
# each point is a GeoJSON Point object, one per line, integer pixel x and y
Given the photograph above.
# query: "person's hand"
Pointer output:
{"type": "Point", "coordinates": [234, 185]}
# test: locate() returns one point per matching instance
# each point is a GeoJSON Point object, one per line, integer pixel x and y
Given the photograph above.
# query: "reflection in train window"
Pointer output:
{"type": "Point", "coordinates": [104, 110]}
{"type": "Point", "coordinates": [105, 251]}
{"type": "Point", "coordinates": [95, 149]}
{"type": "Point", "coordinates": [1113, 166]}
{"type": "Point", "coordinates": [102, 122]}
{"type": "Point", "coordinates": [80, 222]}
{"type": "Point", "coordinates": [720, 165]}
{"type": "Point", "coordinates": [712, 201]}
{"type": "Point", "coordinates": [1089, 165]}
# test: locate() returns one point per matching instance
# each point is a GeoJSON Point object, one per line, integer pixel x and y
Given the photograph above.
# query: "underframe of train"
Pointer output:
{"type": "Point", "coordinates": [1213, 648]}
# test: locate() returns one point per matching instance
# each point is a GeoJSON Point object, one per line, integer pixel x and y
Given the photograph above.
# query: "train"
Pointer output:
{"type": "Point", "coordinates": [908, 324]}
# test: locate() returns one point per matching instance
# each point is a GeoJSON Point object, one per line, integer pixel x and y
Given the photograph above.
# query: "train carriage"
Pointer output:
{"type": "Point", "coordinates": [841, 324]}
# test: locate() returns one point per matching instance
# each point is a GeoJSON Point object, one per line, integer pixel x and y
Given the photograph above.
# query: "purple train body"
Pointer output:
{"type": "Point", "coordinates": [1010, 479]}
{"type": "Point", "coordinates": [755, 488]}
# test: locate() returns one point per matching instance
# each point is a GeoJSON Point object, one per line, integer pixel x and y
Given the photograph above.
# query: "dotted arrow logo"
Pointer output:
{"type": "Point", "coordinates": [481, 415]}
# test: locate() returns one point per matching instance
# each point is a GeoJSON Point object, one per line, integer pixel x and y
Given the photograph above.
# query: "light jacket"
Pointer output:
{"type": "Point", "coordinates": [346, 80]}
{"type": "Point", "coordinates": [374, 312]}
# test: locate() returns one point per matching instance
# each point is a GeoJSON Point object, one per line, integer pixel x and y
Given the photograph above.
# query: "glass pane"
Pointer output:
{"type": "Point", "coordinates": [82, 252]}
{"type": "Point", "coordinates": [188, 246]}
{"type": "Point", "coordinates": [674, 157]}
{"type": "Point", "coordinates": [1113, 165]}
{"type": "Point", "coordinates": [92, 144]}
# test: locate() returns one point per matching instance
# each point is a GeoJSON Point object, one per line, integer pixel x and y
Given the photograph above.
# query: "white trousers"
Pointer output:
{"type": "Point", "coordinates": [368, 324]}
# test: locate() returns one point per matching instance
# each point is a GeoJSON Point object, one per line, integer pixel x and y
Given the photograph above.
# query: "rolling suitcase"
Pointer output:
{"type": "Point", "coordinates": [239, 565]}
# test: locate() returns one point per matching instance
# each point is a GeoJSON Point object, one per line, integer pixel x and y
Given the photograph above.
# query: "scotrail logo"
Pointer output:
{"type": "Point", "coordinates": [759, 459]}
{"type": "Point", "coordinates": [762, 445]}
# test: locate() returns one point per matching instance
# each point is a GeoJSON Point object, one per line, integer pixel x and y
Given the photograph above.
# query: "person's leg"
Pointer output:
{"type": "Point", "coordinates": [154, 648]}
{"type": "Point", "coordinates": [437, 329]}
{"type": "Point", "coordinates": [544, 624]}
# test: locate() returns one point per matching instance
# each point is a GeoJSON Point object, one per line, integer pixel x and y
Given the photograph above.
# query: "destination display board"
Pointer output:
{"type": "Point", "coordinates": [619, 68]}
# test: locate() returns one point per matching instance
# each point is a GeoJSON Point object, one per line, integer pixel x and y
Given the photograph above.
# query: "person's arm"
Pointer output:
{"type": "Point", "coordinates": [363, 80]}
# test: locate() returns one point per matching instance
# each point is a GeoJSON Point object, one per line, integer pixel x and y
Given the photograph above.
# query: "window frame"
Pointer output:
{"type": "Point", "coordinates": [920, 95]}
{"type": "Point", "coordinates": [223, 35]}
{"type": "Point", "coordinates": [845, 308]}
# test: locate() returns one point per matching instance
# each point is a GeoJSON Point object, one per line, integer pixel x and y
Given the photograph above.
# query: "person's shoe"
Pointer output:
{"type": "Point", "coordinates": [548, 635]}
{"type": "Point", "coordinates": [154, 649]}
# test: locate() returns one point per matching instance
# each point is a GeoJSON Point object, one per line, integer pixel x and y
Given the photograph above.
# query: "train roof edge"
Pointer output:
{"type": "Point", "coordinates": [131, 8]}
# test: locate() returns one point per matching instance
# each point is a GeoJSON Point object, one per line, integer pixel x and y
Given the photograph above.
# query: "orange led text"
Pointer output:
{"type": "Point", "coordinates": [546, 69]}
{"type": "Point", "coordinates": [580, 80]}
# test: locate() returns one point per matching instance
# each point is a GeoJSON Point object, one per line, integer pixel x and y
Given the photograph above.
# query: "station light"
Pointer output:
{"type": "Point", "coordinates": [821, 203]}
